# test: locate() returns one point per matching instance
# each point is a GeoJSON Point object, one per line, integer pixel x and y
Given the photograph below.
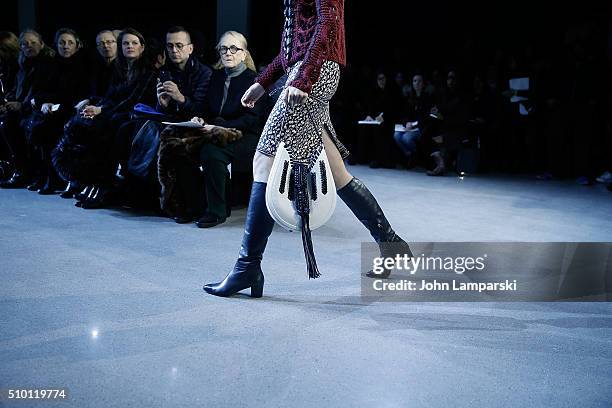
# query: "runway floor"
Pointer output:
{"type": "Point", "coordinates": [108, 304]}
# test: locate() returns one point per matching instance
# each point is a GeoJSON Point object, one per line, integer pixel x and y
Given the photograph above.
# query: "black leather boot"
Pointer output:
{"type": "Point", "coordinates": [365, 207]}
{"type": "Point", "coordinates": [247, 270]}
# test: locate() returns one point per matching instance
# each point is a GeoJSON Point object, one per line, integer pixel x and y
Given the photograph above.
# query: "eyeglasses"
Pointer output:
{"type": "Point", "coordinates": [178, 46]}
{"type": "Point", "coordinates": [107, 42]}
{"type": "Point", "coordinates": [232, 49]}
{"type": "Point", "coordinates": [24, 44]}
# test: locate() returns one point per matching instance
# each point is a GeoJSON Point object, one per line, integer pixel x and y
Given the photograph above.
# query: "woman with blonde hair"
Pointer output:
{"type": "Point", "coordinates": [235, 73]}
{"type": "Point", "coordinates": [240, 39]}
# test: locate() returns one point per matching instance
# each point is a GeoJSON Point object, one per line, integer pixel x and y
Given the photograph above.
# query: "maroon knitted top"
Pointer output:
{"type": "Point", "coordinates": [314, 33]}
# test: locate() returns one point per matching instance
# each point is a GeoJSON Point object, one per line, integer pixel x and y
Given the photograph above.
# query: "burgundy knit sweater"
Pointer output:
{"type": "Point", "coordinates": [317, 35]}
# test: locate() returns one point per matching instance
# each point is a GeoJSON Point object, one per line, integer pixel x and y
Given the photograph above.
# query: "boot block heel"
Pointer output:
{"type": "Point", "coordinates": [257, 290]}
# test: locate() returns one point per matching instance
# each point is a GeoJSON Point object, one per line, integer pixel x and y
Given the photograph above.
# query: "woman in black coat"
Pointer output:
{"type": "Point", "coordinates": [66, 85]}
{"type": "Point", "coordinates": [227, 85]}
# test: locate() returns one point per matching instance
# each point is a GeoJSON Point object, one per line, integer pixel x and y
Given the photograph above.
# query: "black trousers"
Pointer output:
{"type": "Point", "coordinates": [215, 160]}
{"type": "Point", "coordinates": [14, 142]}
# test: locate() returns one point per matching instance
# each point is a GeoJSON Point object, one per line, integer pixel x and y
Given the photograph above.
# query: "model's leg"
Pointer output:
{"type": "Point", "coordinates": [258, 227]}
{"type": "Point", "coordinates": [362, 203]}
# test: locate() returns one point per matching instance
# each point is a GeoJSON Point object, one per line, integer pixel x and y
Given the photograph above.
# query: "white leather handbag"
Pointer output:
{"type": "Point", "coordinates": [299, 198]}
{"type": "Point", "coordinates": [280, 197]}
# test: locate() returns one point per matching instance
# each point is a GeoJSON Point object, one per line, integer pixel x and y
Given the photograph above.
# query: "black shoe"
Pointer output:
{"type": "Point", "coordinates": [98, 199]}
{"type": "Point", "coordinates": [183, 219]}
{"type": "Point", "coordinates": [91, 193]}
{"type": "Point", "coordinates": [84, 193]}
{"type": "Point", "coordinates": [247, 270]}
{"type": "Point", "coordinates": [17, 180]}
{"type": "Point", "coordinates": [365, 207]}
{"type": "Point", "coordinates": [49, 188]}
{"type": "Point", "coordinates": [35, 186]}
{"type": "Point", "coordinates": [209, 221]}
{"type": "Point", "coordinates": [71, 190]}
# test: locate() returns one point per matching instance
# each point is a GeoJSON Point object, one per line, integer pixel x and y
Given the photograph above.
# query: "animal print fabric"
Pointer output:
{"type": "Point", "coordinates": [301, 127]}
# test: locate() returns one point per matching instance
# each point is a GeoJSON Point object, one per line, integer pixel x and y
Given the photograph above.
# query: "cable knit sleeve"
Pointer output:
{"type": "Point", "coordinates": [272, 72]}
{"type": "Point", "coordinates": [325, 32]}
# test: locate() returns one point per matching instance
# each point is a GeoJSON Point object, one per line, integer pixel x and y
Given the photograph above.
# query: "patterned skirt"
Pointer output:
{"type": "Point", "coordinates": [301, 126]}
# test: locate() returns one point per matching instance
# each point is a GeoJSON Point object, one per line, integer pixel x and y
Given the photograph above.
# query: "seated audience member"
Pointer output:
{"type": "Point", "coordinates": [414, 117]}
{"type": "Point", "coordinates": [35, 58]}
{"type": "Point", "coordinates": [9, 55]}
{"type": "Point", "coordinates": [183, 91]}
{"type": "Point", "coordinates": [103, 68]}
{"type": "Point", "coordinates": [381, 103]}
{"type": "Point", "coordinates": [452, 114]}
{"type": "Point", "coordinates": [84, 155]}
{"type": "Point", "coordinates": [67, 84]}
{"type": "Point", "coordinates": [234, 74]}
{"type": "Point", "coordinates": [404, 87]}
{"type": "Point", "coordinates": [377, 99]}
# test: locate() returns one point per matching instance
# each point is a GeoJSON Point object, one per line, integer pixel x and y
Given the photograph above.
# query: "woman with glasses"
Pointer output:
{"type": "Point", "coordinates": [234, 73]}
{"type": "Point", "coordinates": [312, 53]}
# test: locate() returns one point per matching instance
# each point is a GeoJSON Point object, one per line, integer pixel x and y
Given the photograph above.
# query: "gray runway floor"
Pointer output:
{"type": "Point", "coordinates": [108, 304]}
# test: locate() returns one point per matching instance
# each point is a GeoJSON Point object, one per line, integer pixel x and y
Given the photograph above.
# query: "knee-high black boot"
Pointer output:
{"type": "Point", "coordinates": [365, 207]}
{"type": "Point", "coordinates": [247, 270]}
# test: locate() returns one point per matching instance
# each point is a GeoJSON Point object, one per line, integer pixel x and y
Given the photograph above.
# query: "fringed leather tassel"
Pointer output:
{"type": "Point", "coordinates": [311, 262]}
{"type": "Point", "coordinates": [302, 205]}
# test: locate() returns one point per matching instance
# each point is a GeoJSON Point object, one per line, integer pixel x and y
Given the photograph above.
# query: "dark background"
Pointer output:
{"type": "Point", "coordinates": [380, 33]}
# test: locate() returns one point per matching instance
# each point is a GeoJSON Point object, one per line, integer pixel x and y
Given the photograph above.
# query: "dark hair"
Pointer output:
{"type": "Point", "coordinates": [122, 70]}
{"type": "Point", "coordinates": [9, 46]}
{"type": "Point", "coordinates": [154, 49]}
{"type": "Point", "coordinates": [179, 29]}
{"type": "Point", "coordinates": [70, 31]}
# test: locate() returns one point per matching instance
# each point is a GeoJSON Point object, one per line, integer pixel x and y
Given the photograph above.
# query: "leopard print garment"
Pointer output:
{"type": "Point", "coordinates": [301, 127]}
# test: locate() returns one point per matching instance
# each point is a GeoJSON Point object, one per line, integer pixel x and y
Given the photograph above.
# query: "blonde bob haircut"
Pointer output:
{"type": "Point", "coordinates": [242, 41]}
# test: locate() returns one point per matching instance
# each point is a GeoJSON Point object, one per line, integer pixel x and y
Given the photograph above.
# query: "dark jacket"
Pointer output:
{"type": "Point", "coordinates": [30, 80]}
{"type": "Point", "coordinates": [124, 94]}
{"type": "Point", "coordinates": [456, 110]}
{"type": "Point", "coordinates": [416, 108]}
{"type": "Point", "coordinates": [8, 73]}
{"type": "Point", "coordinates": [67, 84]}
{"type": "Point", "coordinates": [193, 83]}
{"type": "Point", "coordinates": [100, 77]}
{"type": "Point", "coordinates": [234, 115]}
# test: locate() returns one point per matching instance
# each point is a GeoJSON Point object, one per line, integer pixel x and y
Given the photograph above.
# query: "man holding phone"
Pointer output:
{"type": "Point", "coordinates": [183, 81]}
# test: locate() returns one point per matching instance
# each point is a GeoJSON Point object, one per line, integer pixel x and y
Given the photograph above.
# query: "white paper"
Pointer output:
{"type": "Point", "coordinates": [369, 122]}
{"type": "Point", "coordinates": [188, 124]}
{"type": "Point", "coordinates": [55, 108]}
